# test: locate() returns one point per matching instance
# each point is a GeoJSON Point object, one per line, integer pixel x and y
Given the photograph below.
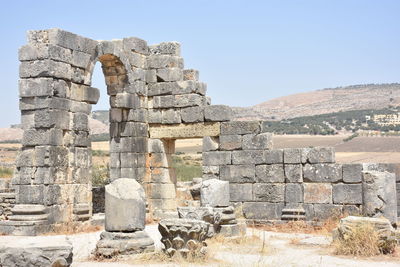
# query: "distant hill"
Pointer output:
{"type": "Point", "coordinates": [330, 100]}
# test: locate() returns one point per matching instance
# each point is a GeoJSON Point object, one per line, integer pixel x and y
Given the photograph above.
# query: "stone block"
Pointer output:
{"type": "Point", "coordinates": [274, 156]}
{"type": "Point", "coordinates": [317, 193]}
{"type": "Point", "coordinates": [189, 100]}
{"type": "Point", "coordinates": [230, 142]}
{"type": "Point", "coordinates": [190, 74]}
{"type": "Point", "coordinates": [214, 170]}
{"type": "Point", "coordinates": [192, 114]}
{"type": "Point", "coordinates": [171, 116]}
{"type": "Point", "coordinates": [294, 173]}
{"type": "Point", "coordinates": [164, 61]}
{"type": "Point", "coordinates": [217, 113]}
{"type": "Point", "coordinates": [31, 52]}
{"type": "Point", "coordinates": [214, 193]}
{"type": "Point", "coordinates": [164, 101]}
{"type": "Point", "coordinates": [352, 173]}
{"type": "Point", "coordinates": [261, 141]}
{"type": "Point", "coordinates": [292, 155]}
{"type": "Point", "coordinates": [379, 195]}
{"type": "Point", "coordinates": [154, 116]}
{"type": "Point", "coordinates": [135, 44]}
{"type": "Point", "coordinates": [322, 173]}
{"type": "Point", "coordinates": [176, 131]}
{"type": "Point", "coordinates": [262, 210]}
{"type": "Point", "coordinates": [56, 251]}
{"type": "Point", "coordinates": [323, 212]}
{"type": "Point", "coordinates": [86, 94]}
{"type": "Point", "coordinates": [177, 88]}
{"type": "Point", "coordinates": [169, 74]}
{"type": "Point", "coordinates": [270, 173]}
{"type": "Point", "coordinates": [271, 192]}
{"type": "Point", "coordinates": [30, 194]}
{"type": "Point", "coordinates": [80, 122]}
{"type": "Point", "coordinates": [33, 137]}
{"type": "Point", "coordinates": [217, 158]}
{"type": "Point", "coordinates": [347, 194]}
{"type": "Point", "coordinates": [80, 59]}
{"type": "Point", "coordinates": [45, 68]}
{"type": "Point", "coordinates": [294, 193]}
{"type": "Point", "coordinates": [43, 87]}
{"type": "Point", "coordinates": [318, 155]}
{"type": "Point", "coordinates": [160, 175]}
{"type": "Point", "coordinates": [238, 173]}
{"type": "Point", "coordinates": [125, 206]}
{"type": "Point", "coordinates": [241, 192]}
{"type": "Point", "coordinates": [70, 40]}
{"type": "Point", "coordinates": [166, 48]}
{"type": "Point", "coordinates": [247, 157]}
{"type": "Point", "coordinates": [49, 118]}
{"type": "Point", "coordinates": [240, 127]}
{"type": "Point", "coordinates": [210, 143]}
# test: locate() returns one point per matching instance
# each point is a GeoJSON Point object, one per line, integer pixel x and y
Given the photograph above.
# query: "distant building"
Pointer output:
{"type": "Point", "coordinates": [386, 119]}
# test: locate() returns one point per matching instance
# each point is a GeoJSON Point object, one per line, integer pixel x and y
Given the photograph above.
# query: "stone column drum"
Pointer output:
{"type": "Point", "coordinates": [125, 220]}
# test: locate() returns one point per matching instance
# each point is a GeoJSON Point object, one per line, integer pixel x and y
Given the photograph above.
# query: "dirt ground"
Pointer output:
{"type": "Point", "coordinates": [278, 249]}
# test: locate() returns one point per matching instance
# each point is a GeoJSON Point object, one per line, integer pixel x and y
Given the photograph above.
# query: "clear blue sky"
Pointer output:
{"type": "Point", "coordinates": [247, 51]}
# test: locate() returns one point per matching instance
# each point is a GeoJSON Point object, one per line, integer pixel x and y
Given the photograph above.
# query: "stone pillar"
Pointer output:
{"type": "Point", "coordinates": [379, 195]}
{"type": "Point", "coordinates": [125, 220]}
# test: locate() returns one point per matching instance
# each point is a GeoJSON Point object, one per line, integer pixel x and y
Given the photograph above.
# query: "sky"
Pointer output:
{"type": "Point", "coordinates": [246, 51]}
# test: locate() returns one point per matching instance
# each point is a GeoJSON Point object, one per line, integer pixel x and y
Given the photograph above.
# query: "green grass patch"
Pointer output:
{"type": "Point", "coordinates": [100, 153]}
{"type": "Point", "coordinates": [6, 172]}
{"type": "Point", "coordinates": [184, 170]}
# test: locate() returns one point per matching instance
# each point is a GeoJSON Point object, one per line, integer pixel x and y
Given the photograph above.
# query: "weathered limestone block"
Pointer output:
{"type": "Point", "coordinates": [262, 210]}
{"type": "Point", "coordinates": [170, 116]}
{"type": "Point", "coordinates": [270, 173]}
{"type": "Point", "coordinates": [322, 173]}
{"type": "Point", "coordinates": [386, 233]}
{"type": "Point", "coordinates": [183, 236]}
{"type": "Point", "coordinates": [379, 195]}
{"type": "Point", "coordinates": [43, 87]}
{"type": "Point", "coordinates": [31, 52]}
{"type": "Point", "coordinates": [292, 155]}
{"type": "Point", "coordinates": [294, 173]}
{"type": "Point", "coordinates": [34, 137]}
{"type": "Point", "coordinates": [318, 155]}
{"type": "Point", "coordinates": [45, 68]}
{"type": "Point", "coordinates": [317, 193]}
{"type": "Point", "coordinates": [216, 158]}
{"type": "Point", "coordinates": [166, 48]}
{"type": "Point", "coordinates": [238, 173]}
{"type": "Point", "coordinates": [347, 193]}
{"type": "Point", "coordinates": [206, 214]}
{"type": "Point", "coordinates": [240, 127]}
{"type": "Point", "coordinates": [274, 156]}
{"type": "Point", "coordinates": [136, 45]}
{"type": "Point", "coordinates": [161, 191]}
{"type": "Point", "coordinates": [325, 211]}
{"type": "Point", "coordinates": [261, 141]}
{"type": "Point", "coordinates": [125, 206]}
{"type": "Point", "coordinates": [195, 130]}
{"type": "Point", "coordinates": [169, 74]}
{"type": "Point", "coordinates": [36, 252]}
{"type": "Point", "coordinates": [214, 193]}
{"type": "Point", "coordinates": [192, 114]}
{"type": "Point", "coordinates": [352, 173]}
{"type": "Point", "coordinates": [271, 192]}
{"type": "Point", "coordinates": [230, 142]}
{"type": "Point", "coordinates": [241, 192]}
{"type": "Point", "coordinates": [191, 74]}
{"type": "Point", "coordinates": [121, 243]}
{"type": "Point", "coordinates": [294, 193]}
{"type": "Point", "coordinates": [164, 61]}
{"type": "Point", "coordinates": [217, 113]}
{"type": "Point", "coordinates": [210, 143]}
{"type": "Point", "coordinates": [247, 157]}
{"type": "Point", "coordinates": [189, 100]}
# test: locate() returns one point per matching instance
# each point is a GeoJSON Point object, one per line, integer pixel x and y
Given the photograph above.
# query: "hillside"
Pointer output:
{"type": "Point", "coordinates": [356, 97]}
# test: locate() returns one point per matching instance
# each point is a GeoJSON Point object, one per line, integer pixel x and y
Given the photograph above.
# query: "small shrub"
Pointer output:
{"type": "Point", "coordinates": [363, 240]}
{"type": "Point", "coordinates": [100, 174]}
{"type": "Point", "coordinates": [100, 153]}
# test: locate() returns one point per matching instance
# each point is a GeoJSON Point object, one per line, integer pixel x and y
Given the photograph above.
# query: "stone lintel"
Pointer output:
{"type": "Point", "coordinates": [193, 130]}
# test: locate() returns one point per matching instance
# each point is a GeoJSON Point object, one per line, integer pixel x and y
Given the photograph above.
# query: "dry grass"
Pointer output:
{"type": "Point", "coordinates": [362, 241]}
{"type": "Point", "coordinates": [74, 228]}
{"type": "Point", "coordinates": [244, 244]}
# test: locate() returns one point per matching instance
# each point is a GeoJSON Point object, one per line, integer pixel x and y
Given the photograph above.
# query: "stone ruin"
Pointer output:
{"type": "Point", "coordinates": [153, 102]}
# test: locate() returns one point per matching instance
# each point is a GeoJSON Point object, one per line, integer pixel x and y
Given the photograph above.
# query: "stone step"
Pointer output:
{"type": "Point", "coordinates": [28, 209]}
{"type": "Point", "coordinates": [82, 217]}
{"type": "Point", "coordinates": [293, 211]}
{"type": "Point", "coordinates": [290, 217]}
{"type": "Point", "coordinates": [30, 217]}
{"type": "Point", "coordinates": [81, 208]}
{"type": "Point", "coordinates": [7, 195]}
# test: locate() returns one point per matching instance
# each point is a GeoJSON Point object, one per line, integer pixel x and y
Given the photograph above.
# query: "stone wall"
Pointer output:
{"type": "Point", "coordinates": [267, 181]}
